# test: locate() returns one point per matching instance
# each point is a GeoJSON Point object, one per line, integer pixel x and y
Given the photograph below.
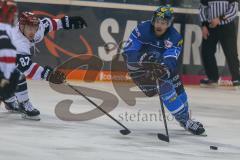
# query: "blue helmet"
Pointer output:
{"type": "Point", "coordinates": [163, 13]}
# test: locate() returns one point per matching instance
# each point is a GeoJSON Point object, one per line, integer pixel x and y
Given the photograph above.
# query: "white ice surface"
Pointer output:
{"type": "Point", "coordinates": [99, 139]}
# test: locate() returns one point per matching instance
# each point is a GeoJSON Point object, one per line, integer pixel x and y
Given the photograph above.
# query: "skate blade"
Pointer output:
{"type": "Point", "coordinates": [203, 134]}
{"type": "Point", "coordinates": [13, 112]}
{"type": "Point", "coordinates": [33, 118]}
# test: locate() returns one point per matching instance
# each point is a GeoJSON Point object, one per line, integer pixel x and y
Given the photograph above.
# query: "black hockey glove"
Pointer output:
{"type": "Point", "coordinates": [150, 63]}
{"type": "Point", "coordinates": [77, 22]}
{"type": "Point", "coordinates": [160, 71]}
{"type": "Point", "coordinates": [56, 77]}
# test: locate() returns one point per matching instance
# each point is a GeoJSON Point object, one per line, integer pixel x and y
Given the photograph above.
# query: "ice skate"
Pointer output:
{"type": "Point", "coordinates": [28, 111]}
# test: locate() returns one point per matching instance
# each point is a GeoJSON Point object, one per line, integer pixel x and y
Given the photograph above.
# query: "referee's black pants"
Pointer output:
{"type": "Point", "coordinates": [227, 36]}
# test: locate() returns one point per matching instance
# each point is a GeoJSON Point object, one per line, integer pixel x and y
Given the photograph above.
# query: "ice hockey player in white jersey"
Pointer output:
{"type": "Point", "coordinates": [29, 31]}
{"type": "Point", "coordinates": [9, 74]}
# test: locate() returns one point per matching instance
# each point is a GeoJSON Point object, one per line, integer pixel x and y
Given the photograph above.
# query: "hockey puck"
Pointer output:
{"type": "Point", "coordinates": [213, 147]}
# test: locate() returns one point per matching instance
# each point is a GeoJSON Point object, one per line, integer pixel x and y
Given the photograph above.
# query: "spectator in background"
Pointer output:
{"type": "Point", "coordinates": [217, 17]}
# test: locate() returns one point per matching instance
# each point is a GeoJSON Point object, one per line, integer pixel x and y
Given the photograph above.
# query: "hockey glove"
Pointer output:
{"type": "Point", "coordinates": [77, 22]}
{"type": "Point", "coordinates": [56, 77]}
{"type": "Point", "coordinates": [150, 62]}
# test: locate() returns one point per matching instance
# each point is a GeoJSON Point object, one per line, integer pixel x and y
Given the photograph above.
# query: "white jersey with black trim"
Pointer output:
{"type": "Point", "coordinates": [7, 51]}
{"type": "Point", "coordinates": [23, 45]}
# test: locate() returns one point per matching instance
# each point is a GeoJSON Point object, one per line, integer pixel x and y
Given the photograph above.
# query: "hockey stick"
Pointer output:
{"type": "Point", "coordinates": [161, 136]}
{"type": "Point", "coordinates": [124, 131]}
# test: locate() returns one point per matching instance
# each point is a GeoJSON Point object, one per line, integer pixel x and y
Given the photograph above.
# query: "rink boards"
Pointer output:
{"type": "Point", "coordinates": [109, 25]}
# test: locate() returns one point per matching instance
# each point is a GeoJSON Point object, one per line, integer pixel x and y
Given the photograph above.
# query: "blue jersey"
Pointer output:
{"type": "Point", "coordinates": [167, 48]}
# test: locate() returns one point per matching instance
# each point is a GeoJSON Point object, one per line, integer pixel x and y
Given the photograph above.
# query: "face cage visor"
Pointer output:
{"type": "Point", "coordinates": [161, 19]}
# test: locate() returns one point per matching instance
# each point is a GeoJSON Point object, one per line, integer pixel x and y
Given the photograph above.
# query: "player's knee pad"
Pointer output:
{"type": "Point", "coordinates": [177, 83]}
{"type": "Point", "coordinates": [171, 100]}
{"type": "Point", "coordinates": [174, 102]}
{"type": "Point", "coordinates": [183, 97]}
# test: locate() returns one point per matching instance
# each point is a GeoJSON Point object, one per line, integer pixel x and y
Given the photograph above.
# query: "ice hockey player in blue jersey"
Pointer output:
{"type": "Point", "coordinates": [151, 53]}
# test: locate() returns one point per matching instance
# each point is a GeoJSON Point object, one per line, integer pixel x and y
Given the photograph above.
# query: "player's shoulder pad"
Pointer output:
{"type": "Point", "coordinates": [5, 41]}
{"type": "Point", "coordinates": [175, 37]}
{"type": "Point", "coordinates": [143, 30]}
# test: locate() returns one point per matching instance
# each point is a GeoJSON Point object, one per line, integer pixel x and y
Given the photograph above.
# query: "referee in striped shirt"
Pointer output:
{"type": "Point", "coordinates": [218, 25]}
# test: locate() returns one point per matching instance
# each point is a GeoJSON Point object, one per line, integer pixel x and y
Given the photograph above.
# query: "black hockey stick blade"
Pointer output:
{"type": "Point", "coordinates": [163, 137]}
{"type": "Point", "coordinates": [125, 132]}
